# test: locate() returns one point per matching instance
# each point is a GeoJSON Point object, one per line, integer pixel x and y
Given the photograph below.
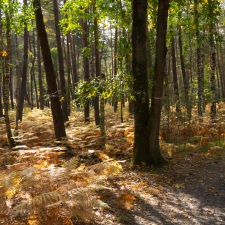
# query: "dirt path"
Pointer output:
{"type": "Point", "coordinates": [196, 197]}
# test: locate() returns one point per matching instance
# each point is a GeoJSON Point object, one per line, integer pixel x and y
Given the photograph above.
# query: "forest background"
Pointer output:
{"type": "Point", "coordinates": [156, 67]}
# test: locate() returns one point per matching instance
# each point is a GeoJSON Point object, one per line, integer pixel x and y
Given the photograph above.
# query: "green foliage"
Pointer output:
{"type": "Point", "coordinates": [113, 87]}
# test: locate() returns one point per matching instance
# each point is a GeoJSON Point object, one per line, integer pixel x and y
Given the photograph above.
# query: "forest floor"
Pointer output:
{"type": "Point", "coordinates": [43, 181]}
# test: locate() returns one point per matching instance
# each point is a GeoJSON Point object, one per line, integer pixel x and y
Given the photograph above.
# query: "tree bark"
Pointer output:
{"type": "Point", "coordinates": [1, 60]}
{"type": "Point", "coordinates": [185, 80]}
{"type": "Point", "coordinates": [158, 78]}
{"type": "Point", "coordinates": [17, 87]}
{"type": "Point", "coordinates": [199, 64]}
{"type": "Point", "coordinates": [175, 83]}
{"type": "Point", "coordinates": [49, 70]}
{"type": "Point", "coordinates": [97, 68]}
{"type": "Point", "coordinates": [60, 60]}
{"type": "Point", "coordinates": [141, 150]}
{"type": "Point", "coordinates": [86, 68]}
{"type": "Point", "coordinates": [6, 79]}
{"type": "Point", "coordinates": [115, 101]}
{"type": "Point", "coordinates": [213, 63]}
{"type": "Point", "coordinates": [24, 75]}
{"type": "Point", "coordinates": [40, 76]}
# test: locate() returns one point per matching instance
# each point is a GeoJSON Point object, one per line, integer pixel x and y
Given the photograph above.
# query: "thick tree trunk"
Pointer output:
{"type": "Point", "coordinates": [157, 89]}
{"type": "Point", "coordinates": [60, 60]}
{"type": "Point", "coordinates": [141, 150]}
{"type": "Point", "coordinates": [49, 70]}
{"type": "Point", "coordinates": [40, 76]}
{"type": "Point", "coordinates": [24, 75]}
{"type": "Point", "coordinates": [97, 69]}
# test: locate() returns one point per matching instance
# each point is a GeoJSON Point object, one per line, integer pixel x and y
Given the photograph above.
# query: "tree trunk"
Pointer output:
{"type": "Point", "coordinates": [157, 89]}
{"type": "Point", "coordinates": [97, 69]}
{"type": "Point", "coordinates": [111, 49]}
{"type": "Point", "coordinates": [102, 115]}
{"type": "Point", "coordinates": [6, 78]}
{"type": "Point", "coordinates": [60, 60]}
{"type": "Point", "coordinates": [17, 87]}
{"type": "Point", "coordinates": [213, 63]}
{"type": "Point", "coordinates": [141, 150]}
{"type": "Point", "coordinates": [185, 80]}
{"type": "Point", "coordinates": [86, 68]}
{"type": "Point", "coordinates": [199, 64]}
{"type": "Point", "coordinates": [40, 76]}
{"type": "Point", "coordinates": [1, 60]}
{"type": "Point", "coordinates": [49, 70]}
{"type": "Point", "coordinates": [24, 76]}
{"type": "Point", "coordinates": [175, 83]}
{"type": "Point", "coordinates": [115, 101]}
{"type": "Point", "coordinates": [32, 58]}
{"type": "Point", "coordinates": [11, 80]}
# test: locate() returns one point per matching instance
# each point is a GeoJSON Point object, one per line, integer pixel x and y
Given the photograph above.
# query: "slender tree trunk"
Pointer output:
{"type": "Point", "coordinates": [111, 49]}
{"type": "Point", "coordinates": [159, 75]}
{"type": "Point", "coordinates": [97, 69]}
{"type": "Point", "coordinates": [86, 68]}
{"type": "Point", "coordinates": [219, 95]}
{"type": "Point", "coordinates": [115, 101]}
{"type": "Point", "coordinates": [222, 78]}
{"type": "Point", "coordinates": [213, 63]}
{"type": "Point", "coordinates": [175, 83]}
{"type": "Point", "coordinates": [17, 87]}
{"type": "Point", "coordinates": [185, 80]}
{"type": "Point", "coordinates": [199, 64]}
{"type": "Point", "coordinates": [60, 61]}
{"type": "Point", "coordinates": [32, 58]}
{"type": "Point", "coordinates": [49, 70]}
{"type": "Point", "coordinates": [102, 114]}
{"type": "Point", "coordinates": [11, 79]}
{"type": "Point", "coordinates": [203, 70]}
{"type": "Point", "coordinates": [218, 69]}
{"type": "Point", "coordinates": [6, 78]}
{"type": "Point", "coordinates": [35, 84]}
{"type": "Point", "coordinates": [1, 60]}
{"type": "Point", "coordinates": [24, 76]}
{"type": "Point", "coordinates": [40, 76]}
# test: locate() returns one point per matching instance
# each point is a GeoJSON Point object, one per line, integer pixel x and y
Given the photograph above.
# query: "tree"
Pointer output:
{"type": "Point", "coordinates": [146, 129]}
{"type": "Point", "coordinates": [49, 70]}
{"type": "Point", "coordinates": [24, 76]}
{"type": "Point", "coordinates": [213, 60]}
{"type": "Point", "coordinates": [60, 60]}
{"type": "Point", "coordinates": [158, 78]}
{"type": "Point", "coordinates": [7, 77]}
{"type": "Point", "coordinates": [97, 68]}
{"type": "Point", "coordinates": [86, 65]}
{"type": "Point", "coordinates": [141, 150]}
